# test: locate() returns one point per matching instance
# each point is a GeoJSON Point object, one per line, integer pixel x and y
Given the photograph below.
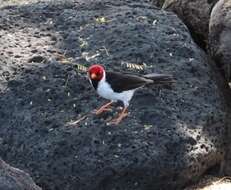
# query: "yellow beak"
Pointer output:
{"type": "Point", "coordinates": [93, 76]}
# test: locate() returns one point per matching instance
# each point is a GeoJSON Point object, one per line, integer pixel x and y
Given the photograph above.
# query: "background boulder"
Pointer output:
{"type": "Point", "coordinates": [15, 179]}
{"type": "Point", "coordinates": [220, 36]}
{"type": "Point", "coordinates": [195, 14]}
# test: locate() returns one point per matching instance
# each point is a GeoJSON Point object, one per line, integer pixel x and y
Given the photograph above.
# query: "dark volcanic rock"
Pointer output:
{"type": "Point", "coordinates": [220, 36]}
{"type": "Point", "coordinates": [15, 179]}
{"type": "Point", "coordinates": [171, 136]}
{"type": "Point", "coordinates": [195, 15]}
{"type": "Point", "coordinates": [158, 3]}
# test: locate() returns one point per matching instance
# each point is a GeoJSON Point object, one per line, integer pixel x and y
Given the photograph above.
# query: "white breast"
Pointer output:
{"type": "Point", "coordinates": [105, 90]}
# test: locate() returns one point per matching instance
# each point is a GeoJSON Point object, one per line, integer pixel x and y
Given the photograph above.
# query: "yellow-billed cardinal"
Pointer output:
{"type": "Point", "coordinates": [120, 86]}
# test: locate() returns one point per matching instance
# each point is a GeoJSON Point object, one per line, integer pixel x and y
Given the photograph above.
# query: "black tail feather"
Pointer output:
{"type": "Point", "coordinates": [160, 78]}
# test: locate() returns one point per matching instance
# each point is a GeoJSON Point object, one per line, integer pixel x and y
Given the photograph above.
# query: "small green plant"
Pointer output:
{"type": "Point", "coordinates": [101, 20]}
{"type": "Point", "coordinates": [83, 43]}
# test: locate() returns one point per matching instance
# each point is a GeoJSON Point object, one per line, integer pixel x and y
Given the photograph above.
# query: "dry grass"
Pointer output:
{"type": "Point", "coordinates": [212, 183]}
{"type": "Point", "coordinates": [4, 3]}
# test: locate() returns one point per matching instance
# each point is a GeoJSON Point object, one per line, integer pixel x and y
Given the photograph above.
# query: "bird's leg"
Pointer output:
{"type": "Point", "coordinates": [122, 115]}
{"type": "Point", "coordinates": [103, 108]}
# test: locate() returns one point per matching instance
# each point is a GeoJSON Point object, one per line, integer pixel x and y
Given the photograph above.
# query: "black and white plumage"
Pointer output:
{"type": "Point", "coordinates": [121, 86]}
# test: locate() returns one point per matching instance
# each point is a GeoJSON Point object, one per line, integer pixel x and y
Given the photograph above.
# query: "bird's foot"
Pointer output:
{"type": "Point", "coordinates": [101, 110]}
{"type": "Point", "coordinates": [117, 120]}
{"type": "Point", "coordinates": [105, 107]}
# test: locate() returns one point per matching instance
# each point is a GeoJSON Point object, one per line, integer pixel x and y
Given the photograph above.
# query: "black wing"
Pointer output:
{"type": "Point", "coordinates": [122, 82]}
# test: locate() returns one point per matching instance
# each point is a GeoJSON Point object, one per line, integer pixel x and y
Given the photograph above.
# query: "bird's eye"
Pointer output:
{"type": "Point", "coordinates": [97, 75]}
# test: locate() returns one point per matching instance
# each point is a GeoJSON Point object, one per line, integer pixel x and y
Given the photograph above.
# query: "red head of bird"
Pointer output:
{"type": "Point", "coordinates": [96, 72]}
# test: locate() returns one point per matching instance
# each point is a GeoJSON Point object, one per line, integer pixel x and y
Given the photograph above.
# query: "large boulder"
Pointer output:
{"type": "Point", "coordinates": [195, 14]}
{"type": "Point", "coordinates": [14, 179]}
{"type": "Point", "coordinates": [171, 136]}
{"type": "Point", "coordinates": [220, 36]}
{"type": "Point", "coordinates": [220, 50]}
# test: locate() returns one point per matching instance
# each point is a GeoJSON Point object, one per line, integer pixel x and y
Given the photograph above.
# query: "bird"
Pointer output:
{"type": "Point", "coordinates": [116, 86]}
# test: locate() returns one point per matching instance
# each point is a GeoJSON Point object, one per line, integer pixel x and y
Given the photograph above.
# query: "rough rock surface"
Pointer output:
{"type": "Point", "coordinates": [220, 50]}
{"type": "Point", "coordinates": [220, 36]}
{"type": "Point", "coordinates": [15, 179]}
{"type": "Point", "coordinates": [158, 3]}
{"type": "Point", "coordinates": [195, 14]}
{"type": "Point", "coordinates": [171, 136]}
